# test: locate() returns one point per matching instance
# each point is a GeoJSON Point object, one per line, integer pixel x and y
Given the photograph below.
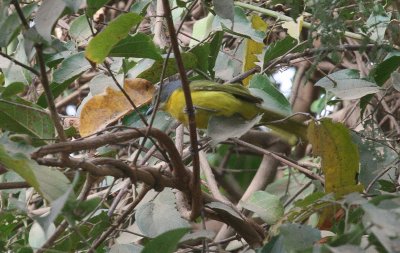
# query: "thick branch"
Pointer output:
{"type": "Point", "coordinates": [179, 169]}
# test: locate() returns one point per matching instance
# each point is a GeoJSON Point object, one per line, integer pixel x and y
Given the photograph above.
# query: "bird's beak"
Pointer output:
{"type": "Point", "coordinates": [150, 110]}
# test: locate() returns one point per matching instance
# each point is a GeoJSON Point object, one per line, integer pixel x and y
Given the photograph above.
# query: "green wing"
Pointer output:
{"type": "Point", "coordinates": [236, 90]}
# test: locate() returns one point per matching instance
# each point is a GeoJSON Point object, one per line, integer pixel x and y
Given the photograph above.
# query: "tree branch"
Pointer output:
{"type": "Point", "coordinates": [195, 182]}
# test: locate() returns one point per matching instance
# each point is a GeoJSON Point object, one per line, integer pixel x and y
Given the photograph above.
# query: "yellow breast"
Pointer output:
{"type": "Point", "coordinates": [209, 103]}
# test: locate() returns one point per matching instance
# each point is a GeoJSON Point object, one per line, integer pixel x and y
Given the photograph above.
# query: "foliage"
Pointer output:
{"type": "Point", "coordinates": [112, 176]}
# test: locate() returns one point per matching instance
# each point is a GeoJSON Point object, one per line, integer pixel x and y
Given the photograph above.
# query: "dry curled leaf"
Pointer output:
{"type": "Point", "coordinates": [111, 105]}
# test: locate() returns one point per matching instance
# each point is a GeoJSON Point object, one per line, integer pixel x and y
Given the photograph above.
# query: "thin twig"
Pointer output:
{"type": "Point", "coordinates": [212, 183]}
{"type": "Point", "coordinates": [43, 76]}
{"type": "Point", "coordinates": [195, 182]}
{"type": "Point", "coordinates": [49, 95]}
{"type": "Point", "coordinates": [13, 185]}
{"type": "Point", "coordinates": [286, 161]}
{"type": "Point", "coordinates": [381, 174]}
{"type": "Point", "coordinates": [34, 71]}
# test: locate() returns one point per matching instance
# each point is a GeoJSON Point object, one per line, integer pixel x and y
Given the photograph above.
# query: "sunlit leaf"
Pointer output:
{"type": "Point", "coordinates": [253, 48]}
{"type": "Point", "coordinates": [138, 45]}
{"type": "Point", "coordinates": [201, 29]}
{"type": "Point", "coordinates": [294, 28]}
{"type": "Point", "coordinates": [100, 46]}
{"type": "Point", "coordinates": [103, 109]}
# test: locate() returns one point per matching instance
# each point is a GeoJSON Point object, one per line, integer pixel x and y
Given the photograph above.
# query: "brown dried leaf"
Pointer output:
{"type": "Point", "coordinates": [106, 108]}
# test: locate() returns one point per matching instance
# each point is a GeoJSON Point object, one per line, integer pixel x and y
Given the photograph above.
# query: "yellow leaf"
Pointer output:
{"type": "Point", "coordinates": [108, 107]}
{"type": "Point", "coordinates": [252, 48]}
{"type": "Point", "coordinates": [294, 28]}
{"type": "Point", "coordinates": [340, 157]}
{"type": "Point", "coordinates": [340, 164]}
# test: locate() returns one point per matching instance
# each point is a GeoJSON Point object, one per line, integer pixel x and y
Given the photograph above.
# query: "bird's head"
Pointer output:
{"type": "Point", "coordinates": [166, 90]}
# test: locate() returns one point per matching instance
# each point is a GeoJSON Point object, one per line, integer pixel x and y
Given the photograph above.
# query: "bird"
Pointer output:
{"type": "Point", "coordinates": [224, 110]}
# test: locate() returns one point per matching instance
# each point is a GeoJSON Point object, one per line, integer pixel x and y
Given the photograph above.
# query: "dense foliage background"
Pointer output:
{"type": "Point", "coordinates": [84, 168]}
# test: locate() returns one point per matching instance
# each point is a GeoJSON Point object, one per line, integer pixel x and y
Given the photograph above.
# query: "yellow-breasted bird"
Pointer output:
{"type": "Point", "coordinates": [225, 111]}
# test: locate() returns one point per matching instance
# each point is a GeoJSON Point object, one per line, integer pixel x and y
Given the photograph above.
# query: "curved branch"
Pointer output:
{"type": "Point", "coordinates": [177, 165]}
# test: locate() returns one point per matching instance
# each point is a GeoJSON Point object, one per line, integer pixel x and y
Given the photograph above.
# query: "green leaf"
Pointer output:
{"type": "Point", "coordinates": [49, 182]}
{"type": "Point", "coordinates": [150, 216]}
{"type": "Point", "coordinates": [71, 68]}
{"type": "Point", "coordinates": [215, 46]}
{"type": "Point", "coordinates": [138, 45]}
{"type": "Point", "coordinates": [100, 46]}
{"type": "Point", "coordinates": [274, 100]}
{"type": "Point", "coordinates": [25, 118]}
{"type": "Point", "coordinates": [279, 48]}
{"type": "Point", "coordinates": [221, 128]}
{"type": "Point", "coordinates": [377, 23]}
{"type": "Point", "coordinates": [374, 156]}
{"type": "Point", "coordinates": [346, 84]}
{"type": "Point", "coordinates": [38, 236]}
{"type": "Point", "coordinates": [224, 9]}
{"type": "Point", "coordinates": [13, 89]}
{"type": "Point", "coordinates": [140, 6]}
{"type": "Point", "coordinates": [202, 52]}
{"type": "Point", "coordinates": [46, 17]}
{"type": "Point", "coordinates": [14, 73]}
{"type": "Point", "coordinates": [151, 70]}
{"type": "Point", "coordinates": [241, 26]}
{"type": "Point", "coordinates": [384, 224]}
{"type": "Point", "coordinates": [297, 237]}
{"type": "Point", "coordinates": [383, 70]}
{"type": "Point", "coordinates": [94, 5]}
{"type": "Point", "coordinates": [267, 206]}
{"type": "Point", "coordinates": [201, 29]}
{"type": "Point", "coordinates": [80, 30]}
{"type": "Point", "coordinates": [12, 24]}
{"type": "Point", "coordinates": [226, 67]}
{"type": "Point", "coordinates": [168, 241]}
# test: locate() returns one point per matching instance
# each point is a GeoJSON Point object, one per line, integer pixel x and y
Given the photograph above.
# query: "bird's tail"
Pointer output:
{"type": "Point", "coordinates": [285, 126]}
